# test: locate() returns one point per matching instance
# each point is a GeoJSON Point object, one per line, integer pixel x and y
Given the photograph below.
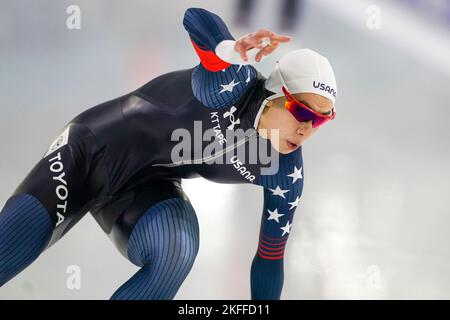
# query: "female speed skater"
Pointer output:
{"type": "Point", "coordinates": [123, 160]}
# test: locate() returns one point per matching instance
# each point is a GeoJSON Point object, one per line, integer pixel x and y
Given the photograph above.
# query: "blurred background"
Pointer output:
{"type": "Point", "coordinates": [373, 220]}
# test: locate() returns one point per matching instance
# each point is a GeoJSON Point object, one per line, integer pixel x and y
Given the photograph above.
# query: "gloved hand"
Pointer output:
{"type": "Point", "coordinates": [251, 48]}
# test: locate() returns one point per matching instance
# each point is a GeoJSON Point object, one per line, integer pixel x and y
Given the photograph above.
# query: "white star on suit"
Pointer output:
{"type": "Point", "coordinates": [274, 215]}
{"type": "Point", "coordinates": [279, 192]}
{"type": "Point", "coordinates": [228, 87]}
{"type": "Point", "coordinates": [294, 203]}
{"type": "Point", "coordinates": [297, 174]}
{"type": "Point", "coordinates": [286, 228]}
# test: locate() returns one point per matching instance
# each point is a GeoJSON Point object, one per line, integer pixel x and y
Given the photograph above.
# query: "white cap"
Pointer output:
{"type": "Point", "coordinates": [303, 70]}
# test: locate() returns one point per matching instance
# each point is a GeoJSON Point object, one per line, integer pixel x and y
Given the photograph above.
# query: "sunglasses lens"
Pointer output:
{"type": "Point", "coordinates": [304, 114]}
{"type": "Point", "coordinates": [301, 112]}
{"type": "Point", "coordinates": [318, 121]}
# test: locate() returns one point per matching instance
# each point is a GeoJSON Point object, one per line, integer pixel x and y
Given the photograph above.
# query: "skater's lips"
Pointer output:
{"type": "Point", "coordinates": [292, 144]}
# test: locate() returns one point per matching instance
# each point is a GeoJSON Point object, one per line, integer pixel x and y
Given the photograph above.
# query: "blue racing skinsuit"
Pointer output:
{"type": "Point", "coordinates": [116, 161]}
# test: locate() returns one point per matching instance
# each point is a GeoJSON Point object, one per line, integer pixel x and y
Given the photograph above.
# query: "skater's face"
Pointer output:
{"type": "Point", "coordinates": [291, 133]}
